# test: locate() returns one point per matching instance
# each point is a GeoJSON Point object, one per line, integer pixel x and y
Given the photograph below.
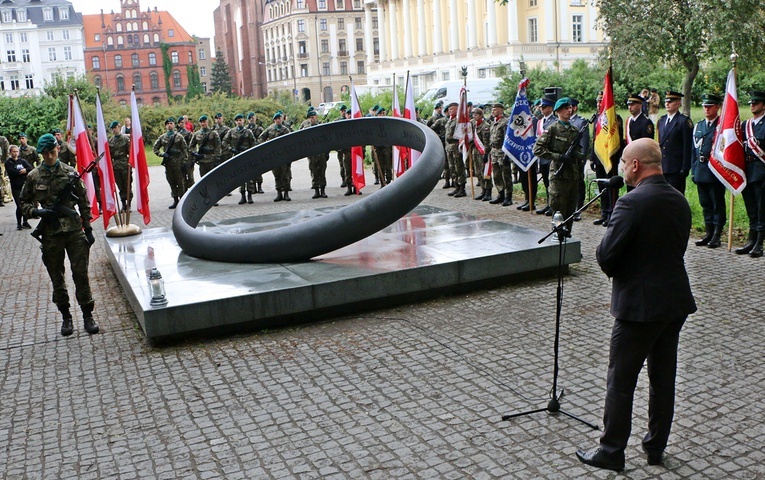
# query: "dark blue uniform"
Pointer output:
{"type": "Point", "coordinates": [640, 127]}
{"type": "Point", "coordinates": [676, 140]}
{"type": "Point", "coordinates": [711, 191]}
{"type": "Point", "coordinates": [754, 193]}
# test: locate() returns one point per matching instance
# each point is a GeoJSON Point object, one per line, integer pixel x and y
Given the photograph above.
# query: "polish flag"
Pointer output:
{"type": "Point", "coordinates": [84, 154]}
{"type": "Point", "coordinates": [105, 171]}
{"type": "Point", "coordinates": [357, 153]}
{"type": "Point", "coordinates": [410, 113]}
{"type": "Point", "coordinates": [138, 162]}
{"type": "Point", "coordinates": [727, 161]}
{"type": "Point", "coordinates": [463, 131]}
{"type": "Point", "coordinates": [400, 154]}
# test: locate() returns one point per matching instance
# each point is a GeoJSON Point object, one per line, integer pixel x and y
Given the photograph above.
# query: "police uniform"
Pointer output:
{"type": "Point", "coordinates": [62, 234]}
{"type": "Point", "coordinates": [317, 164]}
{"type": "Point", "coordinates": [236, 141]}
{"type": "Point", "coordinates": [119, 150]}
{"type": "Point", "coordinates": [676, 141]}
{"type": "Point", "coordinates": [711, 192]}
{"type": "Point", "coordinates": [174, 153]}
{"type": "Point", "coordinates": [282, 173]}
{"type": "Point", "coordinates": [754, 192]}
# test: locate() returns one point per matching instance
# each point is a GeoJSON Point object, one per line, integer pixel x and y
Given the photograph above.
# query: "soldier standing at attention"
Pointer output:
{"type": "Point", "coordinates": [502, 173]}
{"type": "Point", "coordinates": [384, 155]}
{"type": "Point", "coordinates": [676, 140]}
{"type": "Point", "coordinates": [65, 153]}
{"type": "Point", "coordinates": [207, 144]}
{"type": "Point", "coordinates": [341, 153]}
{"type": "Point", "coordinates": [711, 192]}
{"type": "Point", "coordinates": [578, 121]}
{"type": "Point", "coordinates": [540, 126]}
{"type": "Point", "coordinates": [482, 131]}
{"type": "Point", "coordinates": [754, 192]}
{"type": "Point", "coordinates": [69, 233]}
{"type": "Point", "coordinates": [255, 185]}
{"type": "Point", "coordinates": [437, 123]}
{"type": "Point", "coordinates": [565, 170]}
{"type": "Point", "coordinates": [28, 152]}
{"type": "Point", "coordinates": [173, 155]}
{"type": "Point", "coordinates": [282, 173]}
{"type": "Point", "coordinates": [236, 141]}
{"type": "Point", "coordinates": [119, 149]}
{"type": "Point", "coordinates": [453, 155]}
{"type": "Point", "coordinates": [316, 163]}
{"type": "Point", "coordinates": [221, 129]}
{"type": "Point", "coordinates": [187, 168]}
{"type": "Point", "coordinates": [348, 168]}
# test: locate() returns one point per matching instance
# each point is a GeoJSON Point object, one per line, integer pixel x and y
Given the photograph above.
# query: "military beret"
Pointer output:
{"type": "Point", "coordinates": [561, 103]}
{"type": "Point", "coordinates": [22, 134]}
{"type": "Point", "coordinates": [89, 126]}
{"type": "Point", "coordinates": [453, 104]}
{"type": "Point", "coordinates": [170, 120]}
{"type": "Point", "coordinates": [710, 99]}
{"type": "Point", "coordinates": [114, 124]}
{"type": "Point", "coordinates": [376, 108]}
{"type": "Point", "coordinates": [181, 118]}
{"type": "Point", "coordinates": [756, 96]}
{"type": "Point", "coordinates": [537, 102]}
{"type": "Point", "coordinates": [498, 105]}
{"type": "Point", "coordinates": [381, 111]}
{"type": "Point", "coordinates": [439, 105]}
{"type": "Point", "coordinates": [470, 104]}
{"type": "Point", "coordinates": [56, 130]}
{"type": "Point", "coordinates": [203, 118]}
{"type": "Point", "coordinates": [218, 115]}
{"type": "Point", "coordinates": [312, 112]}
{"type": "Point", "coordinates": [46, 143]}
{"type": "Point", "coordinates": [672, 95]}
{"type": "Point", "coordinates": [574, 102]}
{"type": "Point", "coordinates": [278, 114]}
{"type": "Point", "coordinates": [250, 115]}
{"type": "Point", "coordinates": [546, 102]}
{"type": "Point", "coordinates": [634, 98]}
{"type": "Point", "coordinates": [478, 111]}
{"type": "Point", "coordinates": [343, 107]}
{"type": "Point", "coordinates": [238, 116]}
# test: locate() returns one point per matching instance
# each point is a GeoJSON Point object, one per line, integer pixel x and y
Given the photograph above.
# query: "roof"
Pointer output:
{"type": "Point", "coordinates": [92, 24]}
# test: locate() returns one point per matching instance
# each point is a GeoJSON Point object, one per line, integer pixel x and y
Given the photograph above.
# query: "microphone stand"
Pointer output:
{"type": "Point", "coordinates": [553, 406]}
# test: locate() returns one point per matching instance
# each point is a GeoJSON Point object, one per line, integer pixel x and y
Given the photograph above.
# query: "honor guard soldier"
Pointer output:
{"type": "Point", "coordinates": [65, 153]}
{"type": "Point", "coordinates": [282, 173]}
{"type": "Point", "coordinates": [205, 146]}
{"type": "Point", "coordinates": [119, 150]}
{"type": "Point", "coordinates": [51, 192]}
{"type": "Point", "coordinates": [754, 192]}
{"type": "Point", "coordinates": [437, 123]}
{"type": "Point", "coordinates": [578, 121]}
{"type": "Point", "coordinates": [453, 155]}
{"type": "Point", "coordinates": [502, 173]}
{"type": "Point", "coordinates": [28, 152]}
{"type": "Point", "coordinates": [638, 124]}
{"type": "Point", "coordinates": [236, 141]}
{"type": "Point", "coordinates": [546, 106]}
{"type": "Point", "coordinates": [482, 131]}
{"type": "Point", "coordinates": [188, 166]}
{"type": "Point", "coordinates": [317, 164]}
{"type": "Point", "coordinates": [676, 141]}
{"type": "Point", "coordinates": [173, 154]}
{"type": "Point", "coordinates": [221, 129]}
{"type": "Point", "coordinates": [384, 155]}
{"type": "Point", "coordinates": [348, 169]}
{"type": "Point", "coordinates": [711, 192]}
{"type": "Point", "coordinates": [565, 169]}
{"type": "Point", "coordinates": [341, 153]}
{"type": "Point", "coordinates": [256, 184]}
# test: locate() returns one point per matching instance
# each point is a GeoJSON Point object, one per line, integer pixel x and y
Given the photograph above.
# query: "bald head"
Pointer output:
{"type": "Point", "coordinates": [641, 159]}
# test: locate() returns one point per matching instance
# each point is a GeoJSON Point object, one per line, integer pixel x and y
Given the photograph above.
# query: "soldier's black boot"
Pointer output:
{"type": "Point", "coordinates": [87, 318]}
{"type": "Point", "coordinates": [447, 184]}
{"type": "Point", "coordinates": [175, 203]}
{"type": "Point", "coordinates": [757, 249]}
{"type": "Point", "coordinates": [349, 191]}
{"type": "Point", "coordinates": [706, 238]}
{"type": "Point", "coordinates": [500, 198]}
{"type": "Point", "coordinates": [487, 196]}
{"type": "Point", "coordinates": [249, 197]}
{"type": "Point", "coordinates": [66, 325]}
{"type": "Point", "coordinates": [287, 196]}
{"type": "Point", "coordinates": [481, 195]}
{"type": "Point", "coordinates": [316, 193]}
{"type": "Point", "coordinates": [508, 199]}
{"type": "Point", "coordinates": [322, 192]}
{"type": "Point", "coordinates": [243, 200]}
{"type": "Point", "coordinates": [279, 196]}
{"type": "Point", "coordinates": [714, 242]}
{"type": "Point", "coordinates": [260, 188]}
{"type": "Point", "coordinates": [460, 192]}
{"type": "Point", "coordinates": [748, 246]}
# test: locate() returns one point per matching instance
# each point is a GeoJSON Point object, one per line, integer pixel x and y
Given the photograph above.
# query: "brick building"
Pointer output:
{"type": "Point", "coordinates": [148, 49]}
{"type": "Point", "coordinates": [237, 35]}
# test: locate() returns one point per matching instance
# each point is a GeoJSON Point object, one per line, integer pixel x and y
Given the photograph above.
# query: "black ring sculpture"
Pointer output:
{"type": "Point", "coordinates": [303, 241]}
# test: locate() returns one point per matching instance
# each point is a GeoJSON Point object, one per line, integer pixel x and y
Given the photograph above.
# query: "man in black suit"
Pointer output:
{"type": "Point", "coordinates": [754, 192]}
{"type": "Point", "coordinates": [676, 140]}
{"type": "Point", "coordinates": [642, 251]}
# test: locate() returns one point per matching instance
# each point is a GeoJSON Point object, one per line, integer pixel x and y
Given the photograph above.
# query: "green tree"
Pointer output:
{"type": "Point", "coordinates": [221, 79]}
{"type": "Point", "coordinates": [60, 86]}
{"type": "Point", "coordinates": [195, 85]}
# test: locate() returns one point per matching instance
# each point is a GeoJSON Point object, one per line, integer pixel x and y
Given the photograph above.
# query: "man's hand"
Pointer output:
{"type": "Point", "coordinates": [566, 159]}
{"type": "Point", "coordinates": [45, 213]}
{"type": "Point", "coordinates": [89, 236]}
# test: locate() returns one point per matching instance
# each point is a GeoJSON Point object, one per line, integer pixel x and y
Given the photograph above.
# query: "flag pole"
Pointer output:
{"type": "Point", "coordinates": [733, 58]}
{"type": "Point", "coordinates": [464, 142]}
{"type": "Point", "coordinates": [115, 197]}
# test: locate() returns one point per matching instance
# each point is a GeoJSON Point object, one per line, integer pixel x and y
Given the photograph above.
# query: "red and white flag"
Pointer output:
{"type": "Point", "coordinates": [399, 153]}
{"type": "Point", "coordinates": [84, 154]}
{"type": "Point", "coordinates": [357, 153]}
{"type": "Point", "coordinates": [463, 131]}
{"type": "Point", "coordinates": [411, 114]}
{"type": "Point", "coordinates": [138, 162]}
{"type": "Point", "coordinates": [105, 171]}
{"type": "Point", "coordinates": [727, 161]}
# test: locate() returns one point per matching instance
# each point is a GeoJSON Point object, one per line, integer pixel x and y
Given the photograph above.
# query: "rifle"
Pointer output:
{"type": "Point", "coordinates": [66, 193]}
{"type": "Point", "coordinates": [239, 142]}
{"type": "Point", "coordinates": [576, 140]}
{"type": "Point", "coordinates": [197, 155]}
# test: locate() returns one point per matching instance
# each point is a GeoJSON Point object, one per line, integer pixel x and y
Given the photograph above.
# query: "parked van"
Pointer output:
{"type": "Point", "coordinates": [481, 90]}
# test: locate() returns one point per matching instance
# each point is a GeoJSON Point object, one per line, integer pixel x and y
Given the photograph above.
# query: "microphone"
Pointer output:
{"type": "Point", "coordinates": [613, 182]}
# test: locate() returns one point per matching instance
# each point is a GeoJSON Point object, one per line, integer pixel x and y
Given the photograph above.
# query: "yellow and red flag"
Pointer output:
{"type": "Point", "coordinates": [607, 141]}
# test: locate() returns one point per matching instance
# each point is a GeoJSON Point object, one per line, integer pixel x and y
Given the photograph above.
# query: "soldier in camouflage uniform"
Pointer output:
{"type": "Point", "coordinates": [28, 152]}
{"type": "Point", "coordinates": [482, 131]}
{"type": "Point", "coordinates": [236, 141]}
{"type": "Point", "coordinates": [565, 170]}
{"type": "Point", "coordinates": [501, 166]}
{"type": "Point", "coordinates": [173, 155]}
{"type": "Point", "coordinates": [347, 168]}
{"type": "Point", "coordinates": [207, 144]}
{"type": "Point", "coordinates": [453, 155]}
{"type": "Point", "coordinates": [62, 234]}
{"type": "Point", "coordinates": [255, 185]}
{"type": "Point", "coordinates": [384, 154]}
{"type": "Point", "coordinates": [65, 154]}
{"type": "Point", "coordinates": [341, 153]}
{"type": "Point", "coordinates": [188, 163]}
{"type": "Point", "coordinates": [5, 186]}
{"type": "Point", "coordinates": [316, 163]}
{"type": "Point", "coordinates": [437, 123]}
{"type": "Point", "coordinates": [221, 129]}
{"type": "Point", "coordinates": [119, 149]}
{"type": "Point", "coordinates": [282, 173]}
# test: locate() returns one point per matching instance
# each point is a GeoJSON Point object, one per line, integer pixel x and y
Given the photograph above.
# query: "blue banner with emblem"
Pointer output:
{"type": "Point", "coordinates": [519, 137]}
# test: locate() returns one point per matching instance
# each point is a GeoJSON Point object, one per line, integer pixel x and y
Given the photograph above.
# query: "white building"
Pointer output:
{"type": "Point", "coordinates": [38, 39]}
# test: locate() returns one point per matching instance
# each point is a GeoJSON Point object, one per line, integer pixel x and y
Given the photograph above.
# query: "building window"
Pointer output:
{"type": "Point", "coordinates": [120, 83]}
{"type": "Point", "coordinates": [137, 81]}
{"type": "Point", "coordinates": [343, 68]}
{"type": "Point", "coordinates": [300, 3]}
{"type": "Point", "coordinates": [325, 68]}
{"type": "Point", "coordinates": [202, 54]}
{"type": "Point", "coordinates": [341, 24]}
{"type": "Point", "coordinates": [9, 38]}
{"type": "Point", "coordinates": [325, 46]}
{"type": "Point", "coordinates": [145, 25]}
{"type": "Point", "coordinates": [339, 4]}
{"type": "Point", "coordinates": [360, 66]}
{"type": "Point", "coordinates": [146, 38]}
{"type": "Point", "coordinates": [123, 103]}
{"type": "Point", "coordinates": [130, 39]}
{"type": "Point", "coordinates": [301, 25]}
{"type": "Point", "coordinates": [49, 35]}
{"type": "Point", "coordinates": [48, 14]}
{"type": "Point", "coordinates": [51, 54]}
{"type": "Point", "coordinates": [23, 37]}
{"type": "Point", "coordinates": [110, 41]}
{"type": "Point", "coordinates": [95, 63]}
{"type": "Point", "coordinates": [576, 28]}
{"type": "Point", "coordinates": [445, 76]}
{"type": "Point", "coordinates": [152, 58]}
{"type": "Point", "coordinates": [359, 44]}
{"type": "Point", "coordinates": [14, 82]}
{"type": "Point", "coordinates": [154, 80]}
{"type": "Point", "coordinates": [135, 61]}
{"type": "Point", "coordinates": [171, 33]}
{"type": "Point", "coordinates": [97, 37]}
{"type": "Point", "coordinates": [155, 101]}
{"type": "Point", "coordinates": [376, 45]}
{"type": "Point", "coordinates": [176, 79]}
{"type": "Point", "coordinates": [341, 45]}
{"type": "Point", "coordinates": [97, 81]}
{"type": "Point", "coordinates": [532, 3]}
{"type": "Point", "coordinates": [356, 3]}
{"type": "Point", "coordinates": [156, 37]}
{"type": "Point", "coordinates": [202, 71]}
{"type": "Point", "coordinates": [63, 13]}
{"type": "Point", "coordinates": [119, 27]}
{"type": "Point", "coordinates": [323, 24]}
{"type": "Point", "coordinates": [65, 34]}
{"type": "Point", "coordinates": [67, 53]}
{"type": "Point", "coordinates": [11, 55]}
{"type": "Point", "coordinates": [374, 22]}
{"type": "Point", "coordinates": [118, 61]}
{"type": "Point", "coordinates": [204, 86]}
{"type": "Point", "coordinates": [357, 23]}
{"type": "Point", "coordinates": [21, 15]}
{"type": "Point", "coordinates": [323, 4]}
{"type": "Point", "coordinates": [120, 42]}
{"type": "Point", "coordinates": [175, 58]}
{"type": "Point", "coordinates": [25, 57]}
{"type": "Point", "coordinates": [303, 70]}
{"type": "Point", "coordinates": [533, 37]}
{"type": "Point", "coordinates": [191, 57]}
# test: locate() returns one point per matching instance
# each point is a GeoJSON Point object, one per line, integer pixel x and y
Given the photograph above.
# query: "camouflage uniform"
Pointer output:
{"type": "Point", "coordinates": [207, 143]}
{"type": "Point", "coordinates": [236, 141]}
{"type": "Point", "coordinates": [5, 186]}
{"type": "Point", "coordinates": [187, 168]}
{"type": "Point", "coordinates": [483, 132]}
{"type": "Point", "coordinates": [64, 235]}
{"type": "Point", "coordinates": [282, 173]}
{"type": "Point", "coordinates": [501, 170]}
{"type": "Point", "coordinates": [342, 156]}
{"type": "Point", "coordinates": [29, 153]}
{"type": "Point", "coordinates": [439, 127]}
{"type": "Point", "coordinates": [453, 155]}
{"type": "Point", "coordinates": [222, 130]}
{"type": "Point", "coordinates": [384, 155]}
{"type": "Point", "coordinates": [564, 179]}
{"type": "Point", "coordinates": [256, 184]}
{"type": "Point", "coordinates": [317, 165]}
{"type": "Point", "coordinates": [119, 149]}
{"type": "Point", "coordinates": [66, 155]}
{"type": "Point", "coordinates": [174, 144]}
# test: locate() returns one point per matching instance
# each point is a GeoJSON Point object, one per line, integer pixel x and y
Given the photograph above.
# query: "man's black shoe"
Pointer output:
{"type": "Point", "coordinates": [599, 221]}
{"type": "Point", "coordinates": [524, 204]}
{"type": "Point", "coordinates": [578, 217]}
{"type": "Point", "coordinates": [596, 458]}
{"type": "Point", "coordinates": [527, 207]}
{"type": "Point", "coordinates": [654, 458]}
{"type": "Point", "coordinates": [544, 210]}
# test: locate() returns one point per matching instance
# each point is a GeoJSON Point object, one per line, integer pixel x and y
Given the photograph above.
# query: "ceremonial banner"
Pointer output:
{"type": "Point", "coordinates": [727, 161]}
{"type": "Point", "coordinates": [138, 162]}
{"type": "Point", "coordinates": [519, 136]}
{"type": "Point", "coordinates": [105, 171]}
{"type": "Point", "coordinates": [84, 155]}
{"type": "Point", "coordinates": [411, 114]}
{"type": "Point", "coordinates": [463, 131]}
{"type": "Point", "coordinates": [357, 153]}
{"type": "Point", "coordinates": [607, 141]}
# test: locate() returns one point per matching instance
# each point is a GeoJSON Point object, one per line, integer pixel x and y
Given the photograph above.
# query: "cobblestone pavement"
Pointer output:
{"type": "Point", "coordinates": [414, 391]}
